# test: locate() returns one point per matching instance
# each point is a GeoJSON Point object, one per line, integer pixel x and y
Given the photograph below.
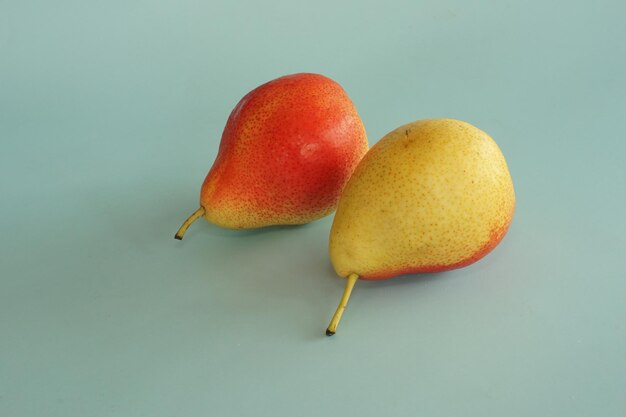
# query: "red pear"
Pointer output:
{"type": "Point", "coordinates": [287, 151]}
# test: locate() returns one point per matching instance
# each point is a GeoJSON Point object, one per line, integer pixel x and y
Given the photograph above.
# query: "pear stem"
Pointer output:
{"type": "Point", "coordinates": [196, 214]}
{"type": "Point", "coordinates": [334, 322]}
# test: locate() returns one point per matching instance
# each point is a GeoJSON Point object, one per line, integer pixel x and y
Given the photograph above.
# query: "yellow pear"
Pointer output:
{"type": "Point", "coordinates": [432, 195]}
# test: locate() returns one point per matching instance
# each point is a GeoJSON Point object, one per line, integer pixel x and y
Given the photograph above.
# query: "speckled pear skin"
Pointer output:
{"type": "Point", "coordinates": [430, 196]}
{"type": "Point", "coordinates": [287, 151]}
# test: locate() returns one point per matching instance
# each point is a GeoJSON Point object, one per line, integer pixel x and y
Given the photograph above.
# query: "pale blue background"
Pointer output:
{"type": "Point", "coordinates": [110, 117]}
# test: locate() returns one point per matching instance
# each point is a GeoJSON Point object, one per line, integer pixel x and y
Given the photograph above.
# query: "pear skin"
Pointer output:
{"type": "Point", "coordinates": [286, 153]}
{"type": "Point", "coordinates": [430, 196]}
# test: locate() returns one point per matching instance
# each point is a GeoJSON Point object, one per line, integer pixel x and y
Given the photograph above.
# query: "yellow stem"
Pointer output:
{"type": "Point", "coordinates": [334, 322]}
{"type": "Point", "coordinates": [196, 214]}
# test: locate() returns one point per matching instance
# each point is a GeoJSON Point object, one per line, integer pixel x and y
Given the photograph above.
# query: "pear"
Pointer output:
{"type": "Point", "coordinates": [286, 153]}
{"type": "Point", "coordinates": [430, 196]}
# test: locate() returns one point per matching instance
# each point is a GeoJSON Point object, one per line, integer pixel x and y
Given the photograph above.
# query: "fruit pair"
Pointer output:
{"type": "Point", "coordinates": [430, 196]}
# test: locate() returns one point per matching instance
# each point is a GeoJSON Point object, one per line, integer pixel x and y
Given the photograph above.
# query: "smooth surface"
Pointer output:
{"type": "Point", "coordinates": [110, 116]}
